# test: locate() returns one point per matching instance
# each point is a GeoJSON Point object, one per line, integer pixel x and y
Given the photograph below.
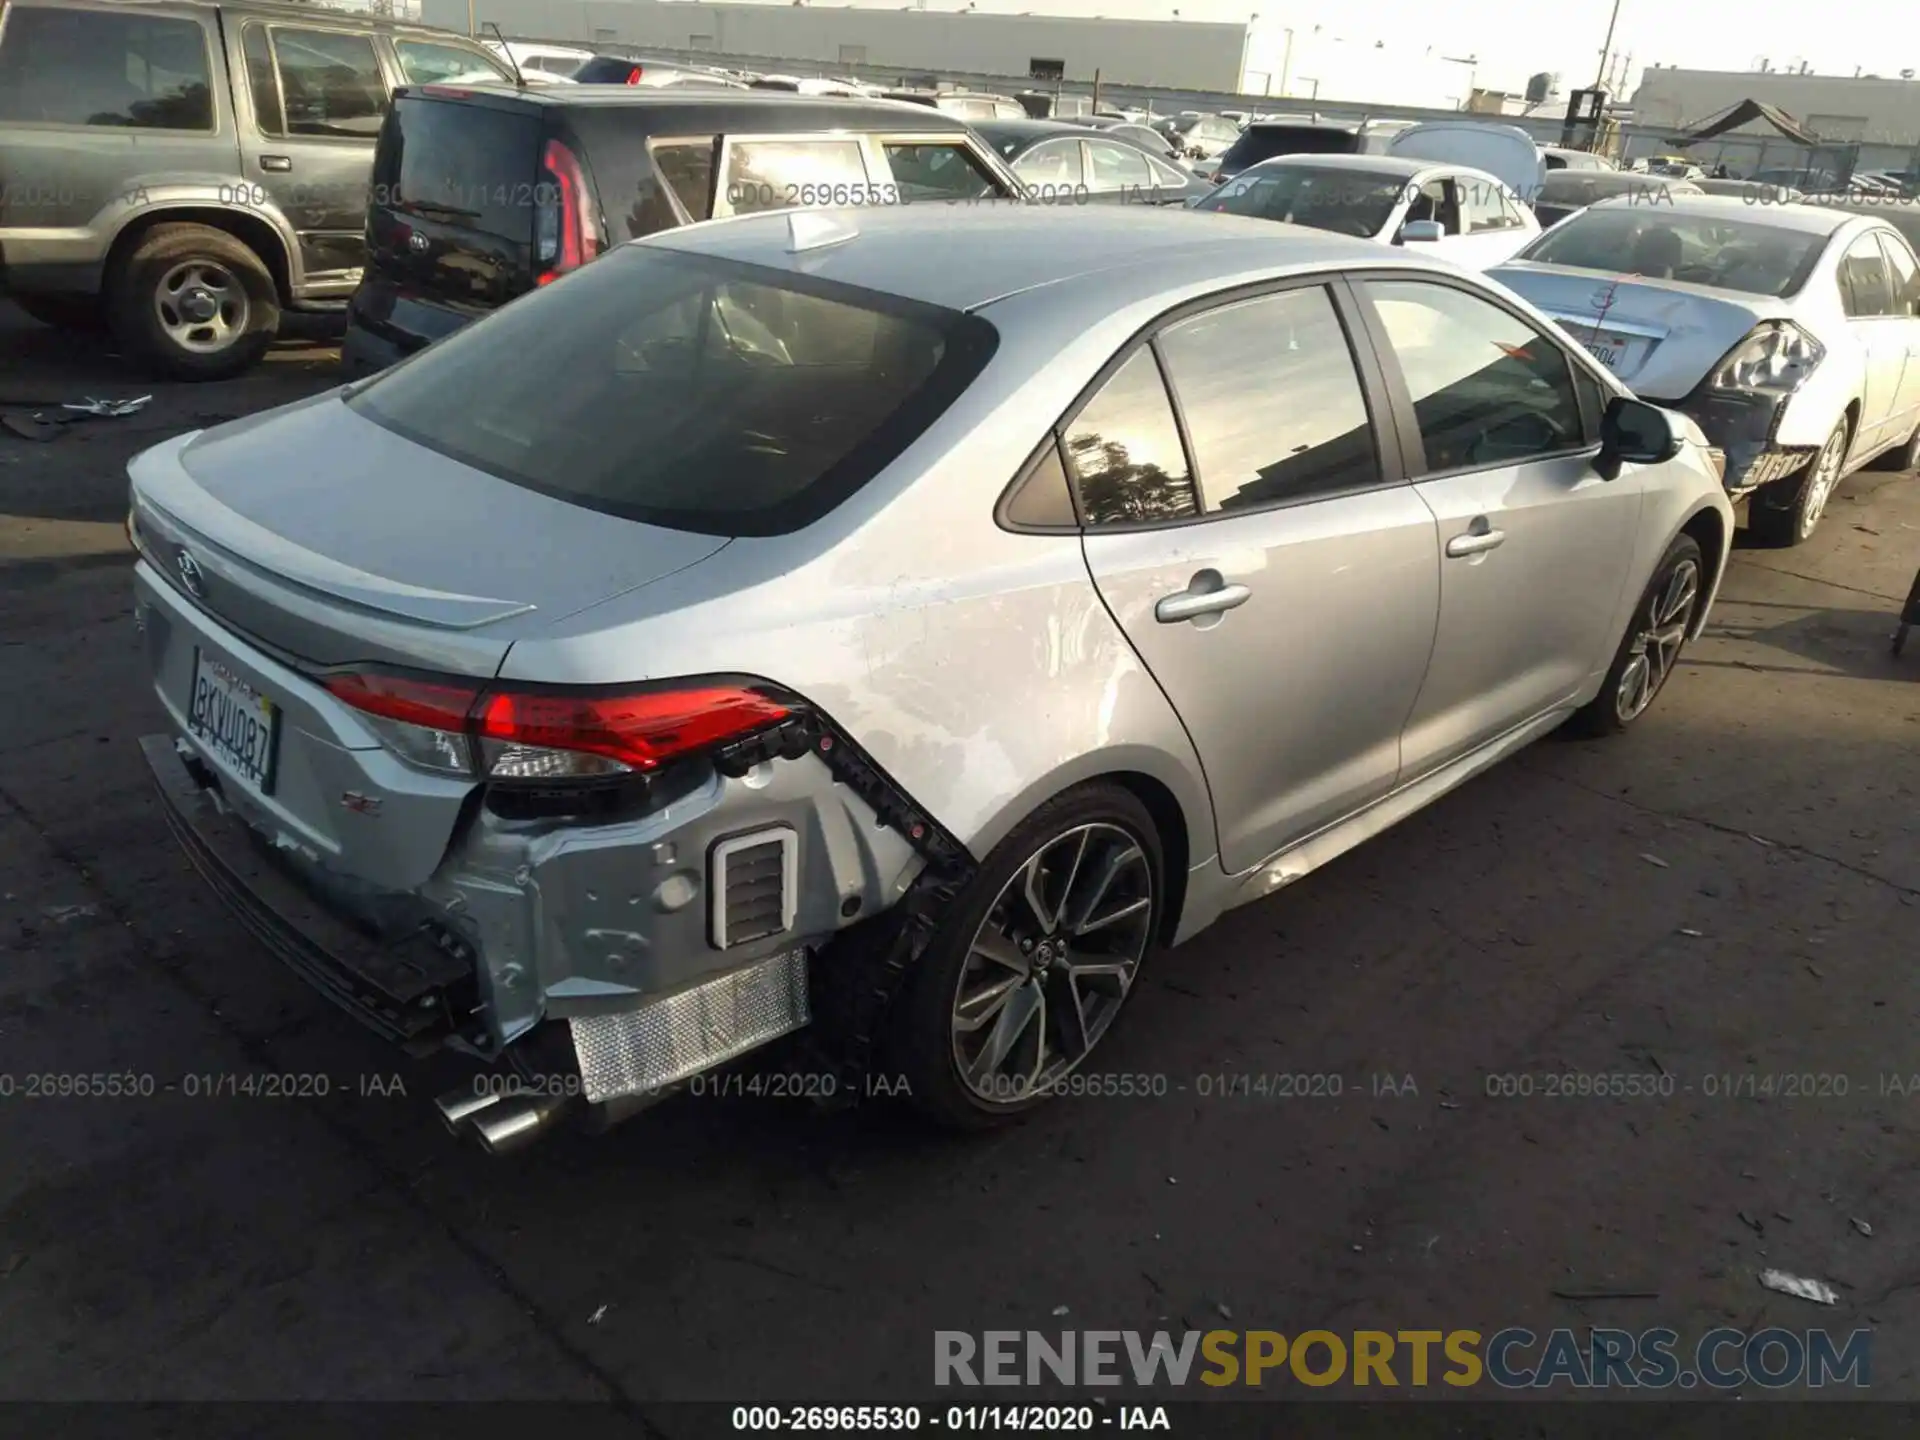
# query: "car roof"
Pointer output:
{"type": "Point", "coordinates": [722, 108]}
{"type": "Point", "coordinates": [273, 9]}
{"type": "Point", "coordinates": [965, 256]}
{"type": "Point", "coordinates": [1802, 219]}
{"type": "Point", "coordinates": [1304, 124]}
{"type": "Point", "coordinates": [1028, 130]}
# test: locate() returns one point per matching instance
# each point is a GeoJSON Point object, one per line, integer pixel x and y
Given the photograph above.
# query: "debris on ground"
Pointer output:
{"type": "Point", "coordinates": [1690, 933]}
{"type": "Point", "coordinates": [64, 914]}
{"type": "Point", "coordinates": [597, 1316]}
{"type": "Point", "coordinates": [1604, 1293]}
{"type": "Point", "coordinates": [1225, 1312]}
{"type": "Point", "coordinates": [1751, 1223]}
{"type": "Point", "coordinates": [1059, 1309]}
{"type": "Point", "coordinates": [1862, 1226]}
{"type": "Point", "coordinates": [1654, 860]}
{"type": "Point", "coordinates": [48, 422]}
{"type": "Point", "coordinates": [1799, 1287]}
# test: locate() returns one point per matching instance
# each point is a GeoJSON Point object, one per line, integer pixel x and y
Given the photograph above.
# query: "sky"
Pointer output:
{"type": "Point", "coordinates": [1515, 38]}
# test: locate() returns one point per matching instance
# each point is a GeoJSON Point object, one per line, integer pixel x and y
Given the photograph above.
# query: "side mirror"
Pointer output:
{"type": "Point", "coordinates": [1633, 432]}
{"type": "Point", "coordinates": [1417, 232]}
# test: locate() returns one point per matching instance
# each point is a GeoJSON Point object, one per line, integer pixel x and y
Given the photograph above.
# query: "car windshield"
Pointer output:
{"type": "Point", "coordinates": [686, 391]}
{"type": "Point", "coordinates": [1727, 253]}
{"type": "Point", "coordinates": [1321, 197]}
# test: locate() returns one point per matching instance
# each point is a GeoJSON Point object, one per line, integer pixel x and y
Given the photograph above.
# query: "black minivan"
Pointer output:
{"type": "Point", "coordinates": [484, 192]}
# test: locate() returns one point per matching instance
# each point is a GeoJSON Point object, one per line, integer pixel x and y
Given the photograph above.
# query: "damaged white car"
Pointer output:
{"type": "Point", "coordinates": [1789, 333]}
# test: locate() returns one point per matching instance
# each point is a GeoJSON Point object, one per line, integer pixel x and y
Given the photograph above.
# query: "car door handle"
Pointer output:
{"type": "Point", "coordinates": [1199, 599]}
{"type": "Point", "coordinates": [1475, 542]}
{"type": "Point", "coordinates": [277, 163]}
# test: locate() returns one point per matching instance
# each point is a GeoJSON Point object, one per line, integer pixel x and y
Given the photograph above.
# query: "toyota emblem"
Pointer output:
{"type": "Point", "coordinates": [417, 243]}
{"type": "Point", "coordinates": [191, 575]}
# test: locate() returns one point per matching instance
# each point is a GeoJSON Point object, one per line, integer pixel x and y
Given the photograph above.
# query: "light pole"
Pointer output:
{"type": "Point", "coordinates": [1607, 49]}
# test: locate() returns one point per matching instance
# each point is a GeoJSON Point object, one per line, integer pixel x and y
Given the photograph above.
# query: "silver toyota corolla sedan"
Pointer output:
{"type": "Point", "coordinates": [893, 624]}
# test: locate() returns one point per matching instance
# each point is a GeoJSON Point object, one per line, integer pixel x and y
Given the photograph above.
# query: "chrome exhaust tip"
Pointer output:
{"type": "Point", "coordinates": [517, 1123]}
{"type": "Point", "coordinates": [458, 1108]}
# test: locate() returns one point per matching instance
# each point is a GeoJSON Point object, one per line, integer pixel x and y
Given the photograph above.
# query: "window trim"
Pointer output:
{"type": "Point", "coordinates": [212, 51]}
{"type": "Point", "coordinates": [1413, 446]}
{"type": "Point", "coordinates": [1389, 443]}
{"type": "Point", "coordinates": [1024, 475]}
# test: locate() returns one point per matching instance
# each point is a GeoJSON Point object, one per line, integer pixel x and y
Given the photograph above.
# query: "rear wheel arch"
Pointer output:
{"type": "Point", "coordinates": [1709, 532]}
{"type": "Point", "coordinates": [257, 234]}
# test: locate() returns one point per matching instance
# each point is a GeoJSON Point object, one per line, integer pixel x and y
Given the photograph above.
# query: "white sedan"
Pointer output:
{"type": "Point", "coordinates": [1456, 211]}
{"type": "Point", "coordinates": [1790, 333]}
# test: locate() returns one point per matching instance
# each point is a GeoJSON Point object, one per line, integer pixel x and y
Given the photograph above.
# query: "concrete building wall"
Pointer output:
{"type": "Point", "coordinates": [1878, 111]}
{"type": "Point", "coordinates": [1185, 54]}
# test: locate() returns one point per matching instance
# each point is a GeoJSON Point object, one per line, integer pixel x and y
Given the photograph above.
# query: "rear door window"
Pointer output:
{"type": "Point", "coordinates": [1051, 167]}
{"type": "Point", "coordinates": [94, 67]}
{"type": "Point", "coordinates": [1114, 167]}
{"type": "Point", "coordinates": [779, 173]}
{"type": "Point", "coordinates": [1272, 401]}
{"type": "Point", "coordinates": [1900, 265]}
{"type": "Point", "coordinates": [687, 391]}
{"type": "Point", "coordinates": [424, 63]}
{"type": "Point", "coordinates": [330, 83]}
{"type": "Point", "coordinates": [1864, 287]}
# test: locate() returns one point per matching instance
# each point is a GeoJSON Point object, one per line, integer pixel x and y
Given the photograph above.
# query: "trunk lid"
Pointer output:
{"type": "Point", "coordinates": [1662, 337]}
{"type": "Point", "coordinates": [332, 539]}
{"type": "Point", "coordinates": [1505, 152]}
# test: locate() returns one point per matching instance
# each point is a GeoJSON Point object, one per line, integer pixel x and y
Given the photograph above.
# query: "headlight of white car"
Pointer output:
{"type": "Point", "coordinates": [1776, 358]}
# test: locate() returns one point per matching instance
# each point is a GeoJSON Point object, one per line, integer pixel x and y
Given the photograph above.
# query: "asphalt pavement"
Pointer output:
{"type": "Point", "coordinates": [1724, 904]}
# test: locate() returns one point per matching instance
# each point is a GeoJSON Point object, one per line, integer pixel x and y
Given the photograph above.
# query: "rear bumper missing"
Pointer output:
{"type": "Point", "coordinates": [414, 988]}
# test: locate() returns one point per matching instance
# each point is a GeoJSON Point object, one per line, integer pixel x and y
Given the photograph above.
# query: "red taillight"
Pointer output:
{"type": "Point", "coordinates": [633, 75]}
{"type": "Point", "coordinates": [639, 730]}
{"type": "Point", "coordinates": [436, 704]}
{"type": "Point", "coordinates": [445, 92]}
{"type": "Point", "coordinates": [566, 238]}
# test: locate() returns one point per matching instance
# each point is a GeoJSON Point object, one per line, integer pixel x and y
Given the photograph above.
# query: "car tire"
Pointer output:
{"type": "Point", "coordinates": [193, 303]}
{"type": "Point", "coordinates": [64, 311]}
{"type": "Point", "coordinates": [1650, 650]}
{"type": "Point", "coordinates": [1788, 511]}
{"type": "Point", "coordinates": [1902, 457]}
{"type": "Point", "coordinates": [1000, 978]}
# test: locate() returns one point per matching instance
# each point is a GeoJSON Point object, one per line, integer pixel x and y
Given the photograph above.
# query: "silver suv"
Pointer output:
{"type": "Point", "coordinates": [184, 171]}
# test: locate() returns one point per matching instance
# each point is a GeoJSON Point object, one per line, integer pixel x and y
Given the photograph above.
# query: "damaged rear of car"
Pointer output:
{"type": "Point", "coordinates": [470, 833]}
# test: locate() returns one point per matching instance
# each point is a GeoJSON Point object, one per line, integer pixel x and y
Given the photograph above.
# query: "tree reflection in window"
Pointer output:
{"type": "Point", "coordinates": [1126, 454]}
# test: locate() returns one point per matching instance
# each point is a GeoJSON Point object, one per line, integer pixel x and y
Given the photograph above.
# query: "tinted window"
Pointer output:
{"type": "Point", "coordinates": [1487, 388]}
{"type": "Point", "coordinates": [425, 64]}
{"type": "Point", "coordinates": [611, 70]}
{"type": "Point", "coordinates": [942, 170]}
{"type": "Point", "coordinates": [1263, 142]}
{"type": "Point", "coordinates": [1346, 202]}
{"type": "Point", "coordinates": [474, 166]}
{"type": "Point", "coordinates": [1271, 399]}
{"type": "Point", "coordinates": [1651, 240]}
{"type": "Point", "coordinates": [689, 392]}
{"type": "Point", "coordinates": [1052, 166]}
{"type": "Point", "coordinates": [778, 174]}
{"type": "Point", "coordinates": [1901, 268]}
{"type": "Point", "coordinates": [331, 83]}
{"type": "Point", "coordinates": [89, 67]}
{"type": "Point", "coordinates": [687, 166]}
{"type": "Point", "coordinates": [1864, 287]}
{"type": "Point", "coordinates": [1125, 450]}
{"type": "Point", "coordinates": [1116, 167]}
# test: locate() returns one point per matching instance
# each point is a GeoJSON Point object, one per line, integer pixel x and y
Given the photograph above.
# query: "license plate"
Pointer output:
{"type": "Point", "coordinates": [234, 720]}
{"type": "Point", "coordinates": [1607, 355]}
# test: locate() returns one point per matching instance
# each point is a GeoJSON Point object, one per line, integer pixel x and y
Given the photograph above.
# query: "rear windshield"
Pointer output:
{"type": "Point", "coordinates": [686, 391]}
{"type": "Point", "coordinates": [1321, 197]}
{"type": "Point", "coordinates": [1651, 240]}
{"type": "Point", "coordinates": [1263, 142]}
{"type": "Point", "coordinates": [608, 70]}
{"type": "Point", "coordinates": [471, 166]}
